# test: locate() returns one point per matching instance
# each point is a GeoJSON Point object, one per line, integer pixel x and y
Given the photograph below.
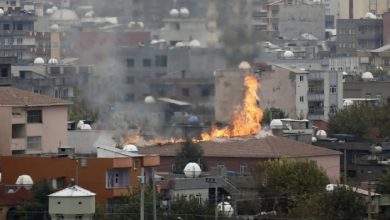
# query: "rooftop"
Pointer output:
{"type": "Point", "coordinates": [73, 191]}
{"type": "Point", "coordinates": [267, 147]}
{"type": "Point", "coordinates": [16, 97]}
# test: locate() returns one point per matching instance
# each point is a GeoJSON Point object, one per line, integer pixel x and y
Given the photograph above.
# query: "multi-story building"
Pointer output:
{"type": "Point", "coordinates": [110, 178]}
{"type": "Point", "coordinates": [55, 80]}
{"type": "Point", "coordinates": [349, 65]}
{"type": "Point", "coordinates": [358, 34]}
{"type": "Point", "coordinates": [380, 58]}
{"type": "Point", "coordinates": [14, 37]}
{"type": "Point", "coordinates": [31, 123]}
{"type": "Point", "coordinates": [302, 93]}
{"type": "Point", "coordinates": [298, 20]}
{"type": "Point", "coordinates": [377, 91]}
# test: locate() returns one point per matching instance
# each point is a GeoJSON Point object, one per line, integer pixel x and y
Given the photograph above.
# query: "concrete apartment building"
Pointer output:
{"type": "Point", "coordinates": [302, 93]}
{"type": "Point", "coordinates": [31, 123]}
{"type": "Point", "coordinates": [358, 34]}
{"type": "Point", "coordinates": [14, 28]}
{"type": "Point", "coordinates": [274, 18]}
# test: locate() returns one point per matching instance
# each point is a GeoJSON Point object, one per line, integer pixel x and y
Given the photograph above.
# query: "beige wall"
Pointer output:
{"type": "Point", "coordinates": [229, 93]}
{"type": "Point", "coordinates": [5, 130]}
{"type": "Point", "coordinates": [70, 205]}
{"type": "Point", "coordinates": [55, 45]}
{"type": "Point", "coordinates": [331, 165]}
{"type": "Point", "coordinates": [53, 130]}
{"type": "Point", "coordinates": [278, 90]}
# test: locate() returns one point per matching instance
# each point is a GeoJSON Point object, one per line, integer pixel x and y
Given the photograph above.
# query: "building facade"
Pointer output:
{"type": "Point", "coordinates": [110, 178]}
{"type": "Point", "coordinates": [358, 34]}
{"type": "Point", "coordinates": [31, 123]}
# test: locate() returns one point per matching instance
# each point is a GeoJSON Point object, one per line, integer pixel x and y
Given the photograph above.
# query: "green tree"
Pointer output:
{"type": "Point", "coordinates": [359, 118]}
{"type": "Point", "coordinates": [271, 113]}
{"type": "Point", "coordinates": [343, 203]}
{"type": "Point", "coordinates": [81, 110]}
{"type": "Point", "coordinates": [383, 184]}
{"type": "Point", "coordinates": [189, 152]}
{"type": "Point", "coordinates": [190, 208]}
{"type": "Point", "coordinates": [129, 208]}
{"type": "Point", "coordinates": [283, 181]}
{"type": "Point", "coordinates": [37, 207]}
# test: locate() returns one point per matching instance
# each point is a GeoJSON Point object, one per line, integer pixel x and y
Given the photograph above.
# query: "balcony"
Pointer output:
{"type": "Point", "coordinates": [315, 96]}
{"type": "Point", "coordinates": [118, 192]}
{"type": "Point", "coordinates": [18, 117]}
{"type": "Point", "coordinates": [18, 144]}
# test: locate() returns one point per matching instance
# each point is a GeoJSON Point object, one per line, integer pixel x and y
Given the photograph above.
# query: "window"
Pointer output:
{"type": "Point", "coordinates": [301, 78]}
{"type": "Point", "coordinates": [19, 41]}
{"type": "Point", "coordinates": [6, 27]}
{"type": "Point", "coordinates": [34, 116]}
{"type": "Point", "coordinates": [4, 72]}
{"type": "Point", "coordinates": [161, 61]}
{"type": "Point", "coordinates": [19, 27]}
{"type": "Point", "coordinates": [333, 89]}
{"type": "Point", "coordinates": [185, 92]}
{"type": "Point", "coordinates": [130, 62]}
{"type": "Point", "coordinates": [130, 97]}
{"type": "Point", "coordinates": [387, 62]}
{"type": "Point", "coordinates": [34, 142]}
{"type": "Point", "coordinates": [243, 168]}
{"type": "Point", "coordinates": [205, 92]}
{"type": "Point", "coordinates": [301, 99]}
{"type": "Point", "coordinates": [221, 165]}
{"type": "Point", "coordinates": [130, 80]}
{"type": "Point", "coordinates": [136, 164]}
{"type": "Point", "coordinates": [147, 62]}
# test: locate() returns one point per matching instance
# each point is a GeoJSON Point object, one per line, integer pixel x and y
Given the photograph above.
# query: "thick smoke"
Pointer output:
{"type": "Point", "coordinates": [237, 39]}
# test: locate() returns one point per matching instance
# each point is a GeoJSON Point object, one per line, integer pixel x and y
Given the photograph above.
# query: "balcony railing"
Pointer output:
{"type": "Point", "coordinates": [18, 144]}
{"type": "Point", "coordinates": [315, 97]}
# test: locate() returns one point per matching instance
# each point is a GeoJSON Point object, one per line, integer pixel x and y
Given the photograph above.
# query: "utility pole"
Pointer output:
{"type": "Point", "coordinates": [154, 195]}
{"type": "Point", "coordinates": [213, 180]}
{"type": "Point", "coordinates": [141, 180]}
{"type": "Point", "coordinates": [345, 165]}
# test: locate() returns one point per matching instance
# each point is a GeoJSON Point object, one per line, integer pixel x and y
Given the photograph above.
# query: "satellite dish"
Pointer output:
{"type": "Point", "coordinates": [150, 100]}
{"type": "Point", "coordinates": [276, 124]}
{"type": "Point", "coordinates": [329, 187]}
{"type": "Point", "coordinates": [225, 209]}
{"type": "Point", "coordinates": [192, 170]}
{"type": "Point", "coordinates": [130, 148]}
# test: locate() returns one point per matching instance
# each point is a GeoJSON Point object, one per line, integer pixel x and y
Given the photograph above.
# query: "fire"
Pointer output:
{"type": "Point", "coordinates": [246, 120]}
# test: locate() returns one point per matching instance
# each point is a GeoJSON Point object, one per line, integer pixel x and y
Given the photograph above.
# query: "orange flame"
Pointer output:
{"type": "Point", "coordinates": [246, 120]}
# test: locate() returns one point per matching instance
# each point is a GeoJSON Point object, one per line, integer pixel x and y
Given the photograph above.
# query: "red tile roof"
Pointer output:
{"type": "Point", "coordinates": [268, 147]}
{"type": "Point", "coordinates": [16, 97]}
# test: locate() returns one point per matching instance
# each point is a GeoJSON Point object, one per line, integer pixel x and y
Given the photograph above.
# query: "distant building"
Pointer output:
{"type": "Point", "coordinates": [299, 130]}
{"type": "Point", "coordinates": [302, 93]}
{"type": "Point", "coordinates": [31, 123]}
{"type": "Point", "coordinates": [14, 37]}
{"type": "Point", "coordinates": [349, 65]}
{"type": "Point", "coordinates": [297, 20]}
{"type": "Point", "coordinates": [386, 28]}
{"type": "Point", "coordinates": [380, 58]}
{"type": "Point", "coordinates": [357, 9]}
{"type": "Point", "coordinates": [73, 202]}
{"type": "Point", "coordinates": [358, 34]}
{"type": "Point", "coordinates": [371, 89]}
